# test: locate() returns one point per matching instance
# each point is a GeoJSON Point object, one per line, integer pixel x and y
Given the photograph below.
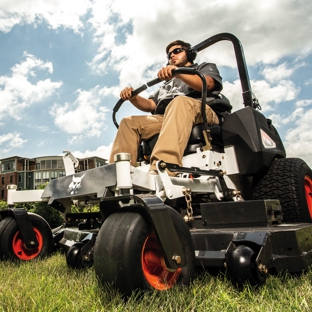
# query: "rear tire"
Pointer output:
{"type": "Point", "coordinates": [128, 254]}
{"type": "Point", "coordinates": [13, 248]}
{"type": "Point", "coordinates": [290, 181]}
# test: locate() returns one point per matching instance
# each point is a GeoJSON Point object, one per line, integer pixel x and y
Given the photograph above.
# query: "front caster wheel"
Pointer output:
{"type": "Point", "coordinates": [73, 256]}
{"type": "Point", "coordinates": [128, 254]}
{"type": "Point", "coordinates": [76, 259]}
{"type": "Point", "coordinates": [242, 267]}
{"type": "Point", "coordinates": [11, 243]}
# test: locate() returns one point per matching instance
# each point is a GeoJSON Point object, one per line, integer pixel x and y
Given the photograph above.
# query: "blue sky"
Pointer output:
{"type": "Point", "coordinates": [63, 64]}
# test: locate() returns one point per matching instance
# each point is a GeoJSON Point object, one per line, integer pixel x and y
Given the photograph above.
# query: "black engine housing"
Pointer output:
{"type": "Point", "coordinates": [256, 141]}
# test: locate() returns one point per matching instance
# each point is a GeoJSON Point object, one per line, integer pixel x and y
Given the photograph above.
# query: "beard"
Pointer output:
{"type": "Point", "coordinates": [183, 62]}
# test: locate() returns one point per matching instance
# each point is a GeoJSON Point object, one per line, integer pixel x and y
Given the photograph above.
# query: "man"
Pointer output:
{"type": "Point", "coordinates": [175, 108]}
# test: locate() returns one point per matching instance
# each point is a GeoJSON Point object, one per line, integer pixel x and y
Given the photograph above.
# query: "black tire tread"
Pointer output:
{"type": "Point", "coordinates": [282, 181]}
{"type": "Point", "coordinates": [121, 236]}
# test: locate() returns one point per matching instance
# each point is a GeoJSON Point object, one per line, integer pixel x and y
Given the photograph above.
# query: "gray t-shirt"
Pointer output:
{"type": "Point", "coordinates": [175, 87]}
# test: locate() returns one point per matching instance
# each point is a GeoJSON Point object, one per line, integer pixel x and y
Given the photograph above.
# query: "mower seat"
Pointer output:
{"type": "Point", "coordinates": [222, 108]}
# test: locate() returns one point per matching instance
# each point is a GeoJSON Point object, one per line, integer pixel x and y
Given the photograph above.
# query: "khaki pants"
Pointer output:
{"type": "Point", "coordinates": [174, 128]}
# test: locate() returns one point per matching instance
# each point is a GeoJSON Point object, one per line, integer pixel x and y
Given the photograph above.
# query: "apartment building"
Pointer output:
{"type": "Point", "coordinates": [30, 173]}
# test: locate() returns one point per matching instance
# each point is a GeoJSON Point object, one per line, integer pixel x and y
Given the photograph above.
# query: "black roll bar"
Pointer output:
{"type": "Point", "coordinates": [240, 59]}
{"type": "Point", "coordinates": [241, 65]}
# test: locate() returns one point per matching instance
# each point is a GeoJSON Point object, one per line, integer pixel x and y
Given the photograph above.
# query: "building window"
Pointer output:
{"type": "Point", "coordinates": [2, 193]}
{"type": "Point", "coordinates": [45, 176]}
{"type": "Point", "coordinates": [100, 163]}
{"type": "Point", "coordinates": [62, 174]}
{"type": "Point", "coordinates": [37, 177]}
{"type": "Point", "coordinates": [19, 178]}
{"type": "Point", "coordinates": [8, 166]}
{"type": "Point", "coordinates": [48, 164]}
{"type": "Point", "coordinates": [54, 164]}
{"type": "Point", "coordinates": [38, 166]}
{"type": "Point", "coordinates": [60, 164]}
{"type": "Point", "coordinates": [2, 180]}
{"type": "Point", "coordinates": [11, 179]}
{"type": "Point", "coordinates": [42, 164]}
{"type": "Point", "coordinates": [53, 175]}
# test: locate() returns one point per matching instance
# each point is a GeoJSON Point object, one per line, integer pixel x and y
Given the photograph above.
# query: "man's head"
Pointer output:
{"type": "Point", "coordinates": [180, 53]}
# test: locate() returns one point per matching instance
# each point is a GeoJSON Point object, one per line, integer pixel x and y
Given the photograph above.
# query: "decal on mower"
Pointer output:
{"type": "Point", "coordinates": [75, 184]}
{"type": "Point", "coordinates": [266, 140]}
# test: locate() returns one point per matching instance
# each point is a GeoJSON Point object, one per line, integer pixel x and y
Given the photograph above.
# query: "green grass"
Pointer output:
{"type": "Point", "coordinates": [49, 285]}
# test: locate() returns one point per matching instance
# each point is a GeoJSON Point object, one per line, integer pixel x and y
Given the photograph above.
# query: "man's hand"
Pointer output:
{"type": "Point", "coordinates": [126, 94]}
{"type": "Point", "coordinates": [192, 80]}
{"type": "Point", "coordinates": [145, 105]}
{"type": "Point", "coordinates": [166, 72]}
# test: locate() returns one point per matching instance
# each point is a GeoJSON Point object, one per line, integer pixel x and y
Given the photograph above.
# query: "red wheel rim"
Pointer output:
{"type": "Point", "coordinates": [308, 193]}
{"type": "Point", "coordinates": [20, 250]}
{"type": "Point", "coordinates": [154, 267]}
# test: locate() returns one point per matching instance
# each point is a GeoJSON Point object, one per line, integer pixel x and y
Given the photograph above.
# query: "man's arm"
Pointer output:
{"type": "Point", "coordinates": [143, 104]}
{"type": "Point", "coordinates": [193, 81]}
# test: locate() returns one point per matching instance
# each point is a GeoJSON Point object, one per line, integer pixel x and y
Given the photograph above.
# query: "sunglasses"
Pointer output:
{"type": "Point", "coordinates": [175, 51]}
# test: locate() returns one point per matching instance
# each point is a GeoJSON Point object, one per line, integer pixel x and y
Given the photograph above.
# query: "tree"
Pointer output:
{"type": "Point", "coordinates": [3, 205]}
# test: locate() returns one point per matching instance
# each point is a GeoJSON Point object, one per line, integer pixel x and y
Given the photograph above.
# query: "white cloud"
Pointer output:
{"type": "Point", "coordinates": [308, 82]}
{"type": "Point", "coordinates": [40, 128]}
{"type": "Point", "coordinates": [11, 141]}
{"type": "Point", "coordinates": [17, 92]}
{"type": "Point", "coordinates": [147, 26]}
{"type": "Point", "coordinates": [265, 39]}
{"type": "Point", "coordinates": [83, 118]}
{"type": "Point", "coordinates": [281, 120]}
{"type": "Point", "coordinates": [233, 92]}
{"type": "Point", "coordinates": [303, 103]}
{"type": "Point", "coordinates": [101, 151]}
{"type": "Point", "coordinates": [267, 94]}
{"type": "Point", "coordinates": [298, 140]}
{"type": "Point", "coordinates": [29, 65]}
{"type": "Point", "coordinates": [284, 90]}
{"type": "Point", "coordinates": [55, 13]}
{"type": "Point", "coordinates": [8, 20]}
{"type": "Point", "coordinates": [131, 37]}
{"type": "Point", "coordinates": [280, 72]}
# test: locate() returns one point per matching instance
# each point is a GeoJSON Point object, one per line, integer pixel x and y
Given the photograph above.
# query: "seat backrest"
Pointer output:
{"type": "Point", "coordinates": [221, 106]}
